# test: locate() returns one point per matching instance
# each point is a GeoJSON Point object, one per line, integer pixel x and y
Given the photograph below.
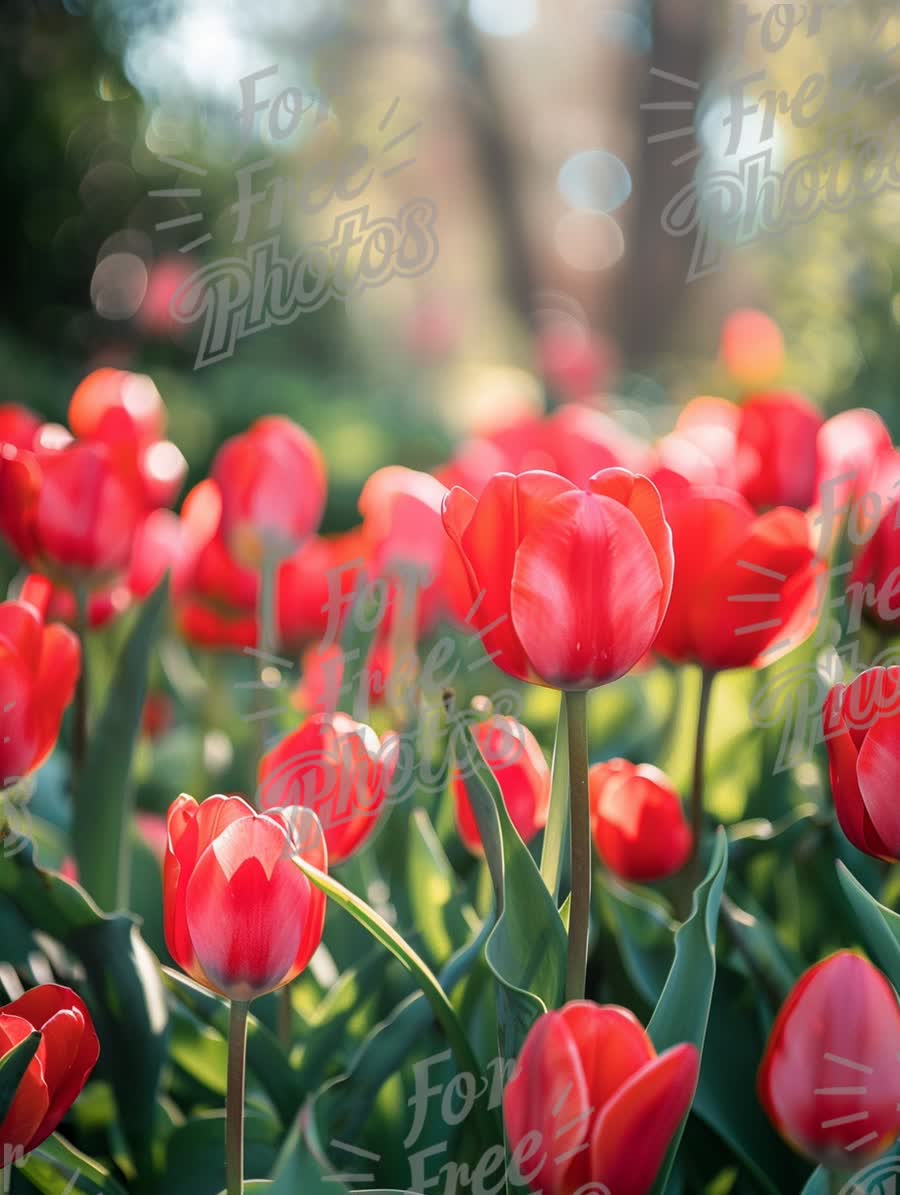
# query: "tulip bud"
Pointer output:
{"type": "Point", "coordinates": [65, 1057]}
{"type": "Point", "coordinates": [512, 753]}
{"type": "Point", "coordinates": [240, 916]}
{"type": "Point", "coordinates": [862, 732]}
{"type": "Point", "coordinates": [637, 821]}
{"type": "Point", "coordinates": [829, 1079]}
{"type": "Point", "coordinates": [340, 770]}
{"type": "Point", "coordinates": [591, 1102]}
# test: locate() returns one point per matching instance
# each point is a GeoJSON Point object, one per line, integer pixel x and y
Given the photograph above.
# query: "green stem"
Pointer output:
{"type": "Point", "coordinates": [697, 788]}
{"type": "Point", "coordinates": [234, 1100]}
{"type": "Point", "coordinates": [580, 909]}
{"type": "Point", "coordinates": [558, 818]}
{"type": "Point", "coordinates": [836, 1182]}
{"type": "Point", "coordinates": [80, 707]}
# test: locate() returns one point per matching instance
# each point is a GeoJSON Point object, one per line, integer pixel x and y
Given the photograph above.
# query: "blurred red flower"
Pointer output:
{"type": "Point", "coordinates": [637, 821]}
{"type": "Point", "coordinates": [340, 770]}
{"type": "Point", "coordinates": [746, 587]}
{"type": "Point", "coordinates": [39, 666]}
{"type": "Point", "coordinates": [512, 753]}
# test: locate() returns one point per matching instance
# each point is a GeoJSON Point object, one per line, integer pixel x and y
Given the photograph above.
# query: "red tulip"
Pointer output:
{"type": "Point", "coordinates": [700, 449]}
{"type": "Point", "coordinates": [18, 425]}
{"type": "Point", "coordinates": [829, 1079]}
{"type": "Point", "coordinates": [339, 769]}
{"type": "Point", "coordinates": [572, 585]}
{"type": "Point", "coordinates": [65, 1057]}
{"type": "Point", "coordinates": [591, 1101]}
{"type": "Point", "coordinates": [68, 510]}
{"type": "Point", "coordinates": [746, 585]}
{"type": "Point", "coordinates": [637, 821]}
{"type": "Point", "coordinates": [39, 666]}
{"type": "Point", "coordinates": [326, 677]}
{"type": "Point", "coordinates": [512, 753]}
{"type": "Point", "coordinates": [752, 348]}
{"type": "Point", "coordinates": [862, 731]}
{"type": "Point", "coordinates": [272, 481]}
{"type": "Point", "coordinates": [125, 412]}
{"type": "Point", "coordinates": [849, 448]}
{"type": "Point", "coordinates": [240, 916]}
{"type": "Point", "coordinates": [777, 460]}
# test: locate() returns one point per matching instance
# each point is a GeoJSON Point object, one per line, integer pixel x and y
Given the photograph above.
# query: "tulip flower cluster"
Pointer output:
{"type": "Point", "coordinates": [570, 554]}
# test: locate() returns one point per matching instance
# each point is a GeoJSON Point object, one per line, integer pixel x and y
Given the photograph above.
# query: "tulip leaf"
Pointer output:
{"type": "Point", "coordinates": [879, 926]}
{"type": "Point", "coordinates": [58, 1168]}
{"type": "Point", "coordinates": [874, 1178]}
{"type": "Point", "coordinates": [439, 915]}
{"type": "Point", "coordinates": [682, 1012]}
{"type": "Point", "coordinates": [124, 987]}
{"type": "Point", "coordinates": [345, 1103]}
{"type": "Point", "coordinates": [526, 950]}
{"type": "Point", "coordinates": [13, 1065]}
{"type": "Point", "coordinates": [102, 802]}
{"type": "Point", "coordinates": [195, 1152]}
{"type": "Point", "coordinates": [405, 955]}
{"type": "Point", "coordinates": [558, 814]}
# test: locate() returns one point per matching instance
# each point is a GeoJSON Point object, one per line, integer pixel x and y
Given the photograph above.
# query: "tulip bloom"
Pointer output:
{"type": "Point", "coordinates": [59, 1070]}
{"type": "Point", "coordinates": [637, 821]}
{"type": "Point", "coordinates": [68, 511]}
{"type": "Point", "coordinates": [512, 753]}
{"type": "Point", "coordinates": [240, 917]}
{"type": "Point", "coordinates": [337, 768]}
{"type": "Point", "coordinates": [746, 587]}
{"type": "Point", "coordinates": [272, 481]}
{"type": "Point", "coordinates": [777, 459]}
{"type": "Point", "coordinates": [18, 425]}
{"type": "Point", "coordinates": [571, 585]}
{"type": "Point", "coordinates": [861, 722]}
{"type": "Point", "coordinates": [829, 1080]}
{"type": "Point", "coordinates": [39, 666]}
{"type": "Point", "coordinates": [591, 1101]}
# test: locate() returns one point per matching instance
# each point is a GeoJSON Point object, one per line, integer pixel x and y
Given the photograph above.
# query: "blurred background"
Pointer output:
{"type": "Point", "coordinates": [544, 141]}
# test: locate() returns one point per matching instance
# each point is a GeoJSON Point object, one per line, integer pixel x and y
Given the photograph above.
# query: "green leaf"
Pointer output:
{"type": "Point", "coordinates": [124, 988]}
{"type": "Point", "coordinates": [345, 1103]}
{"type": "Point", "coordinates": [58, 1168]}
{"type": "Point", "coordinates": [437, 911]}
{"type": "Point", "coordinates": [643, 930]}
{"type": "Point", "coordinates": [405, 955]}
{"type": "Point", "coordinates": [682, 1013]}
{"type": "Point", "coordinates": [195, 1153]}
{"type": "Point", "coordinates": [13, 1066]}
{"type": "Point", "coordinates": [526, 950]}
{"type": "Point", "coordinates": [102, 802]}
{"type": "Point", "coordinates": [558, 814]}
{"type": "Point", "coordinates": [879, 926]}
{"type": "Point", "coordinates": [874, 1179]}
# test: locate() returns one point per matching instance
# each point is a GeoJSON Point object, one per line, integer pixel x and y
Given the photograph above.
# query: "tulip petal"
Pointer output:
{"type": "Point", "coordinates": [877, 770]}
{"type": "Point", "coordinates": [29, 1106]}
{"type": "Point", "coordinates": [586, 591]}
{"type": "Point", "coordinates": [843, 755]}
{"type": "Point", "coordinates": [548, 1095]}
{"type": "Point", "coordinates": [634, 1130]}
{"type": "Point", "coordinates": [642, 498]}
{"type": "Point", "coordinates": [57, 672]}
